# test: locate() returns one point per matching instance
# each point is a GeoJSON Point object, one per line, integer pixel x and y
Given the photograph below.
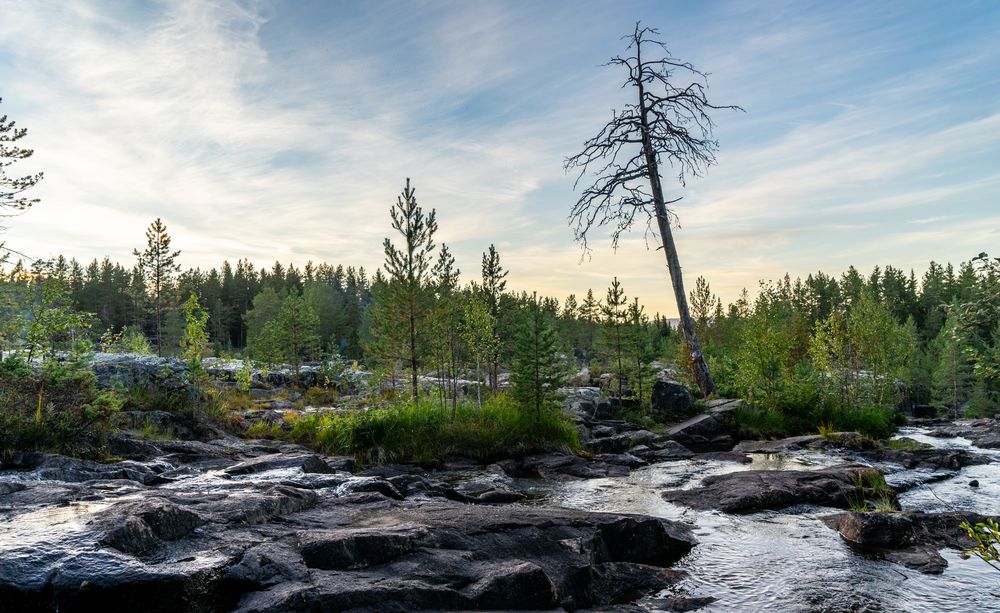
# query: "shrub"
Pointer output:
{"type": "Point", "coordinates": [57, 408]}
{"type": "Point", "coordinates": [753, 422]}
{"type": "Point", "coordinates": [423, 431]}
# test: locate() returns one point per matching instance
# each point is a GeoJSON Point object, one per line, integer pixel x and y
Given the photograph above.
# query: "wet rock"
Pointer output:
{"type": "Point", "coordinates": [315, 464]}
{"type": "Point", "coordinates": [621, 459]}
{"type": "Point", "coordinates": [522, 585]}
{"type": "Point", "coordinates": [61, 468]}
{"type": "Point", "coordinates": [276, 461]}
{"type": "Point", "coordinates": [270, 503]}
{"type": "Point", "coordinates": [755, 490]}
{"type": "Point", "coordinates": [950, 459]}
{"type": "Point", "coordinates": [876, 530]}
{"type": "Point", "coordinates": [784, 445]}
{"type": "Point", "coordinates": [725, 456]}
{"type": "Point", "coordinates": [560, 466]}
{"type": "Point", "coordinates": [621, 582]}
{"type": "Point", "coordinates": [267, 565]}
{"type": "Point", "coordinates": [681, 604]}
{"type": "Point", "coordinates": [140, 530]}
{"type": "Point", "coordinates": [974, 483]}
{"type": "Point", "coordinates": [705, 432]}
{"type": "Point", "coordinates": [912, 539]}
{"type": "Point", "coordinates": [497, 496]}
{"type": "Point", "coordinates": [371, 484]}
{"type": "Point", "coordinates": [357, 548]}
{"type": "Point", "coordinates": [667, 451]}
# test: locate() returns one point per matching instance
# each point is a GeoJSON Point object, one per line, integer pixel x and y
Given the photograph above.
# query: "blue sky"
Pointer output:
{"type": "Point", "coordinates": [285, 130]}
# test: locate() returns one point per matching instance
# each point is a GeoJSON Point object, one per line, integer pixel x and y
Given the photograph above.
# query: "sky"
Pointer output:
{"type": "Point", "coordinates": [286, 130]}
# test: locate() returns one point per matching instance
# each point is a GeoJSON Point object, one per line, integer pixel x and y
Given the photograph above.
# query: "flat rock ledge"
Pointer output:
{"type": "Point", "coordinates": [757, 490]}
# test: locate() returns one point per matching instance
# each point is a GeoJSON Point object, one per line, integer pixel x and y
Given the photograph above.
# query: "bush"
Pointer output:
{"type": "Point", "coordinates": [57, 408]}
{"type": "Point", "coordinates": [423, 431]}
{"type": "Point", "coordinates": [756, 423]}
{"type": "Point", "coordinates": [872, 421]}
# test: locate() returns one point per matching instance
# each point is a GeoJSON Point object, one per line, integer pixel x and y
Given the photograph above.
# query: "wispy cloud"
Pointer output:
{"type": "Point", "coordinates": [284, 131]}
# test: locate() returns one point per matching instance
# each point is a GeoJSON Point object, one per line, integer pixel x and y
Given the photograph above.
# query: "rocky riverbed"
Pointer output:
{"type": "Point", "coordinates": [646, 521]}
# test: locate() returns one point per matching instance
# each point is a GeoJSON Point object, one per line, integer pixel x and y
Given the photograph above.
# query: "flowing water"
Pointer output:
{"type": "Point", "coordinates": [790, 560]}
{"type": "Point", "coordinates": [786, 560]}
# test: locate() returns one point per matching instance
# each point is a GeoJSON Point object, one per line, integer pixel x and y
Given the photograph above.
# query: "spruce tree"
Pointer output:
{"type": "Point", "coordinates": [614, 343]}
{"type": "Point", "coordinates": [590, 312]}
{"type": "Point", "coordinates": [158, 264]}
{"type": "Point", "coordinates": [640, 374]}
{"type": "Point", "coordinates": [537, 371]}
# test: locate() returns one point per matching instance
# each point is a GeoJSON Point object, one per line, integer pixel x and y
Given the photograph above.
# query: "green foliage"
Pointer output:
{"type": "Point", "coordinates": [159, 265]}
{"type": "Point", "coordinates": [291, 337]}
{"type": "Point", "coordinates": [423, 431]}
{"type": "Point", "coordinates": [244, 376]}
{"type": "Point", "coordinates": [320, 396]}
{"type": "Point", "coordinates": [51, 321]}
{"type": "Point", "coordinates": [195, 342]}
{"type": "Point", "coordinates": [538, 370]}
{"type": "Point", "coordinates": [129, 340]}
{"type": "Point", "coordinates": [614, 343]}
{"type": "Point", "coordinates": [479, 335]}
{"type": "Point", "coordinates": [260, 429]}
{"type": "Point", "coordinates": [757, 423]}
{"type": "Point", "coordinates": [398, 320]}
{"type": "Point", "coordinates": [12, 198]}
{"type": "Point", "coordinates": [986, 538]}
{"type": "Point", "coordinates": [57, 408]}
{"type": "Point", "coordinates": [862, 353]}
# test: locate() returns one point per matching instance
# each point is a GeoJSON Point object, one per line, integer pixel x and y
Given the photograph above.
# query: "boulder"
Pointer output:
{"type": "Point", "coordinates": [671, 398]}
{"type": "Point", "coordinates": [756, 490]}
{"type": "Point", "coordinates": [704, 432]}
{"type": "Point", "coordinates": [912, 539]}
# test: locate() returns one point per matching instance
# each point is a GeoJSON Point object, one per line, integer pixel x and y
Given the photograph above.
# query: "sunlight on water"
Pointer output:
{"type": "Point", "coordinates": [48, 524]}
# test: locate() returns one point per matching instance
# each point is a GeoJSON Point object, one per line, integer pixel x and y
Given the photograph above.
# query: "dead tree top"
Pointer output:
{"type": "Point", "coordinates": [676, 121]}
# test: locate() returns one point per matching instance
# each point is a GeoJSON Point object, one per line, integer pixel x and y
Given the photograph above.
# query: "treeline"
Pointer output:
{"type": "Point", "coordinates": [415, 314]}
{"type": "Point", "coordinates": [814, 349]}
{"type": "Point", "coordinates": [823, 344]}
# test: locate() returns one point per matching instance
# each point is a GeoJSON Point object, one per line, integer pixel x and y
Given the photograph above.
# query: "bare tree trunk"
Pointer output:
{"type": "Point", "coordinates": [698, 364]}
{"type": "Point", "coordinates": [413, 352]}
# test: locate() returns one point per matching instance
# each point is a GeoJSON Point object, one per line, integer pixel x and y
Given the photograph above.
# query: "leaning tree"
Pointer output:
{"type": "Point", "coordinates": [668, 123]}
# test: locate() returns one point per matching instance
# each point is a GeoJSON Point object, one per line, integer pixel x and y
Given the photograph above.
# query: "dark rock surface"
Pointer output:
{"type": "Point", "coordinates": [671, 398]}
{"type": "Point", "coordinates": [913, 539]}
{"type": "Point", "coordinates": [276, 528]}
{"type": "Point", "coordinates": [754, 490]}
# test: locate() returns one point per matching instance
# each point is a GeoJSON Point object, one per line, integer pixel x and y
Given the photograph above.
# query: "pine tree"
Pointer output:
{"type": "Point", "coordinates": [537, 371]}
{"type": "Point", "coordinates": [494, 285]}
{"type": "Point", "coordinates": [158, 264]}
{"type": "Point", "coordinates": [13, 202]}
{"type": "Point", "coordinates": [405, 308]}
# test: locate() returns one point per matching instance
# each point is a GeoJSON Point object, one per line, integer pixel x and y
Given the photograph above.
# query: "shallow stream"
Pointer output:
{"type": "Point", "coordinates": [790, 560]}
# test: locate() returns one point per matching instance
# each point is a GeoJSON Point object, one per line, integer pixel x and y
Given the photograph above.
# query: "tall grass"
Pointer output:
{"type": "Point", "coordinates": [424, 431]}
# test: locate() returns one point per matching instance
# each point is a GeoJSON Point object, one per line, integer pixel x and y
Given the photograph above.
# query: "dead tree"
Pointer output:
{"type": "Point", "coordinates": [666, 124]}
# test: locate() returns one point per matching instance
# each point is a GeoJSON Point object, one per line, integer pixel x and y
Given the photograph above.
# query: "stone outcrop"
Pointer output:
{"type": "Point", "coordinates": [756, 490]}
{"type": "Point", "coordinates": [913, 539]}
